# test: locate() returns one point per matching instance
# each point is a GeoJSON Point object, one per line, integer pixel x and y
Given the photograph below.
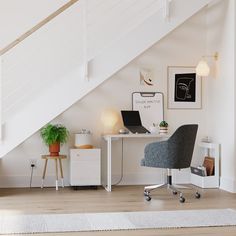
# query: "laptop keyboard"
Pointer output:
{"type": "Point", "coordinates": [137, 129]}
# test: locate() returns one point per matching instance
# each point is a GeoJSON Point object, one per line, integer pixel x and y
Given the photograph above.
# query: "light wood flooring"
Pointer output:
{"type": "Point", "coordinates": [122, 198]}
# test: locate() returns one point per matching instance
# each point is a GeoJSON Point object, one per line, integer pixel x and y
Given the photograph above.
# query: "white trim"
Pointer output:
{"type": "Point", "coordinates": [85, 38]}
{"type": "Point", "coordinates": [228, 184]}
{"type": "Point", "coordinates": [140, 178]}
{"type": "Point", "coordinates": [1, 98]}
{"type": "Point", "coordinates": [24, 181]}
{"type": "Point", "coordinates": [166, 9]}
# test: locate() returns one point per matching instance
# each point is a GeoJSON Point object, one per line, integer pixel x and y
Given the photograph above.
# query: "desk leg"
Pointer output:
{"type": "Point", "coordinates": [62, 177]}
{"type": "Point", "coordinates": [56, 174]}
{"type": "Point", "coordinates": [108, 188]}
{"type": "Point", "coordinates": [44, 172]}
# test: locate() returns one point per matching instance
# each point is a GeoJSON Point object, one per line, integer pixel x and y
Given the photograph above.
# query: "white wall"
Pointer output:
{"type": "Point", "coordinates": [184, 46]}
{"type": "Point", "coordinates": [24, 14]}
{"type": "Point", "coordinates": [221, 87]}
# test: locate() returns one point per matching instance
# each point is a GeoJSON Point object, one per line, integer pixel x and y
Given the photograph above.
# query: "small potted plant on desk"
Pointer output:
{"type": "Point", "coordinates": [53, 136]}
{"type": "Point", "coordinates": [163, 127]}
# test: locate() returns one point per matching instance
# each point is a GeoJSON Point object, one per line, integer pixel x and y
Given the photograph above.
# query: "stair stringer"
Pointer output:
{"type": "Point", "coordinates": [72, 87]}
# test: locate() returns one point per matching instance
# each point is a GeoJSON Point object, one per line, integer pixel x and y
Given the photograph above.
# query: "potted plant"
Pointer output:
{"type": "Point", "coordinates": [163, 127]}
{"type": "Point", "coordinates": [53, 136]}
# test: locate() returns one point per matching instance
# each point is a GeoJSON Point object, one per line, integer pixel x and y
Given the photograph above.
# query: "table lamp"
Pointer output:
{"type": "Point", "coordinates": [109, 118]}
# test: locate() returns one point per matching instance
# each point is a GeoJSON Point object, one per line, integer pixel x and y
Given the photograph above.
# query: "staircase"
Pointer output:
{"type": "Point", "coordinates": [75, 51]}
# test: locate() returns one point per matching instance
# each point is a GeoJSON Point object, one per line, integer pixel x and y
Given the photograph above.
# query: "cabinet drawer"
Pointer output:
{"type": "Point", "coordinates": [85, 167]}
{"type": "Point", "coordinates": [85, 154]}
{"type": "Point", "coordinates": [83, 174]}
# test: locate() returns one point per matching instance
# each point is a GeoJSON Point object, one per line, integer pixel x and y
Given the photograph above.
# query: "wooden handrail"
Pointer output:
{"type": "Point", "coordinates": [36, 27]}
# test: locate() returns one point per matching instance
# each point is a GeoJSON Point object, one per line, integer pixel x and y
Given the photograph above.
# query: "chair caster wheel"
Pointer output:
{"type": "Point", "coordinates": [146, 193]}
{"type": "Point", "coordinates": [148, 198]}
{"type": "Point", "coordinates": [174, 192]}
{"type": "Point", "coordinates": [182, 199]}
{"type": "Point", "coordinates": [197, 195]}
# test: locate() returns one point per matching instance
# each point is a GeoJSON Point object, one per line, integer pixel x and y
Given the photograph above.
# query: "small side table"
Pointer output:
{"type": "Point", "coordinates": [56, 158]}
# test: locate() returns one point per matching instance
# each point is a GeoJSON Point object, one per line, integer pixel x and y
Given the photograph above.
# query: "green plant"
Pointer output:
{"type": "Point", "coordinates": [54, 134]}
{"type": "Point", "coordinates": [163, 124]}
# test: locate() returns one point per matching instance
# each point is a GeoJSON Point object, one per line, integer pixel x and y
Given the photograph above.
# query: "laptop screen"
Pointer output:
{"type": "Point", "coordinates": [131, 118]}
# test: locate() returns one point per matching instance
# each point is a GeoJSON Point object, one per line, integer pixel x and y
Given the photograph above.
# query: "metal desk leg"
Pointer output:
{"type": "Point", "coordinates": [108, 188]}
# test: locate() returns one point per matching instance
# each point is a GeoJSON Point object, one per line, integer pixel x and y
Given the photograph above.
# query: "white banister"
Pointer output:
{"type": "Point", "coordinates": [1, 98]}
{"type": "Point", "coordinates": [85, 38]}
{"type": "Point", "coordinates": [166, 9]}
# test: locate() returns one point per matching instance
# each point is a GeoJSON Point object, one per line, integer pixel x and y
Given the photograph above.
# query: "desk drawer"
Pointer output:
{"type": "Point", "coordinates": [85, 154]}
{"type": "Point", "coordinates": [85, 167]}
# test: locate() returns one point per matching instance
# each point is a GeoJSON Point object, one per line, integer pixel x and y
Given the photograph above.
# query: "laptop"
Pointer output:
{"type": "Point", "coordinates": [132, 122]}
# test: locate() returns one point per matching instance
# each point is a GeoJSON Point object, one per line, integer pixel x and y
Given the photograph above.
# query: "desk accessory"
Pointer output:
{"type": "Point", "coordinates": [123, 131]}
{"type": "Point", "coordinates": [150, 107]}
{"type": "Point", "coordinates": [132, 122]}
{"type": "Point", "coordinates": [83, 139]}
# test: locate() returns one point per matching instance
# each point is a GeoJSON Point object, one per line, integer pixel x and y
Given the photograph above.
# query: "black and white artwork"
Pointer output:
{"type": "Point", "coordinates": [184, 88]}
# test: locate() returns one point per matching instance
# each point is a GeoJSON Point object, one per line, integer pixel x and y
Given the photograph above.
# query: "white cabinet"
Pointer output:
{"type": "Point", "coordinates": [209, 149]}
{"type": "Point", "coordinates": [85, 167]}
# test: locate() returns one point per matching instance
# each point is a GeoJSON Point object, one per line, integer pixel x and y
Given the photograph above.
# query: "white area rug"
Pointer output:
{"type": "Point", "coordinates": [10, 224]}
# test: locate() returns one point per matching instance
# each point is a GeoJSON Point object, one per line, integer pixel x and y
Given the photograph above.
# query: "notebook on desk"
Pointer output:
{"type": "Point", "coordinates": [132, 122]}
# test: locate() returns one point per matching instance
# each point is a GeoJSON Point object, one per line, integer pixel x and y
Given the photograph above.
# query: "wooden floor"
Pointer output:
{"type": "Point", "coordinates": [122, 198]}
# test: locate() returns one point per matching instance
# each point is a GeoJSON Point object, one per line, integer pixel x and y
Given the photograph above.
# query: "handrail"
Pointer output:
{"type": "Point", "coordinates": [36, 27]}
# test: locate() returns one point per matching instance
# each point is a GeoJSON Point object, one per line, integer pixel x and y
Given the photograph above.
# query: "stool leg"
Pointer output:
{"type": "Point", "coordinates": [44, 172]}
{"type": "Point", "coordinates": [62, 177]}
{"type": "Point", "coordinates": [56, 174]}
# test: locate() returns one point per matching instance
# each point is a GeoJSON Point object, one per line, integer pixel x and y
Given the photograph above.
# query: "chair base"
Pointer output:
{"type": "Point", "coordinates": [169, 186]}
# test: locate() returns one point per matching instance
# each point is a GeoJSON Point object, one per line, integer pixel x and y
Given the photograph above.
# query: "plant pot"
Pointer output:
{"type": "Point", "coordinates": [54, 149]}
{"type": "Point", "coordinates": [163, 130]}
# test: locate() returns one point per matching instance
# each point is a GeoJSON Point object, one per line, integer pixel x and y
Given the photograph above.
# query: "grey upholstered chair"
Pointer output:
{"type": "Point", "coordinates": [174, 153]}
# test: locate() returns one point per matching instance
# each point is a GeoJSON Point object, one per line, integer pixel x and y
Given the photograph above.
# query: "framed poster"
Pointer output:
{"type": "Point", "coordinates": [150, 107]}
{"type": "Point", "coordinates": [184, 88]}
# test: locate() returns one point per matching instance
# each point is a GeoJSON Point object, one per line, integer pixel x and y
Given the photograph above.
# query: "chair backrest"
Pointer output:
{"type": "Point", "coordinates": [181, 145]}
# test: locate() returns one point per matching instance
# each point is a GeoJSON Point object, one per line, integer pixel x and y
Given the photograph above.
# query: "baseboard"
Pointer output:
{"type": "Point", "coordinates": [24, 181]}
{"type": "Point", "coordinates": [128, 179]}
{"type": "Point", "coordinates": [228, 184]}
{"type": "Point", "coordinates": [179, 177]}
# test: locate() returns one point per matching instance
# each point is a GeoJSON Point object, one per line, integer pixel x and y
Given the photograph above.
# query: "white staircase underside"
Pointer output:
{"type": "Point", "coordinates": [70, 86]}
{"type": "Point", "coordinates": [26, 13]}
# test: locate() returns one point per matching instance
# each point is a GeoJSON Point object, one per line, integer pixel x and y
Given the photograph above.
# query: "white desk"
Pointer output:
{"type": "Point", "coordinates": [111, 137]}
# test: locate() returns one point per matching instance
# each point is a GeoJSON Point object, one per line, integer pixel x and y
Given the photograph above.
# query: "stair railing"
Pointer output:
{"type": "Point", "coordinates": [19, 40]}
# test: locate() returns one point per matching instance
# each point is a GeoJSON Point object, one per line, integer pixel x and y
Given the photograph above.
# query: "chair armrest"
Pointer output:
{"type": "Point", "coordinates": [155, 154]}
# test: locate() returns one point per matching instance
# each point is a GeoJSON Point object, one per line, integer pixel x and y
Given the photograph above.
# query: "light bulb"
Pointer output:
{"type": "Point", "coordinates": [202, 68]}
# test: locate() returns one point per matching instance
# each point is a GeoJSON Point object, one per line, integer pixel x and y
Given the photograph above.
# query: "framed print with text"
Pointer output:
{"type": "Point", "coordinates": [184, 88]}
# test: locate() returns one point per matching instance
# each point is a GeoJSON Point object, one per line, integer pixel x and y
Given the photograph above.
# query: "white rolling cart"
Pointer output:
{"type": "Point", "coordinates": [85, 167]}
{"type": "Point", "coordinates": [212, 150]}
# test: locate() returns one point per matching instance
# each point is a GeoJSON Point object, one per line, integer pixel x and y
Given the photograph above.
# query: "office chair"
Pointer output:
{"type": "Point", "coordinates": [174, 153]}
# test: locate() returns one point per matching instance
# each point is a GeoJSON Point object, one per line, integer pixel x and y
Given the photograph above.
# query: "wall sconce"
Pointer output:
{"type": "Point", "coordinates": [203, 68]}
{"type": "Point", "coordinates": [109, 119]}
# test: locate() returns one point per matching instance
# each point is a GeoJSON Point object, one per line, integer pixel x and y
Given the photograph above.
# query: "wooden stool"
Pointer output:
{"type": "Point", "coordinates": [56, 158]}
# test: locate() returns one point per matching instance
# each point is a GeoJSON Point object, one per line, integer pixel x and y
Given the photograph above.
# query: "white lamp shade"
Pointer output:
{"type": "Point", "coordinates": [109, 118]}
{"type": "Point", "coordinates": [202, 68]}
